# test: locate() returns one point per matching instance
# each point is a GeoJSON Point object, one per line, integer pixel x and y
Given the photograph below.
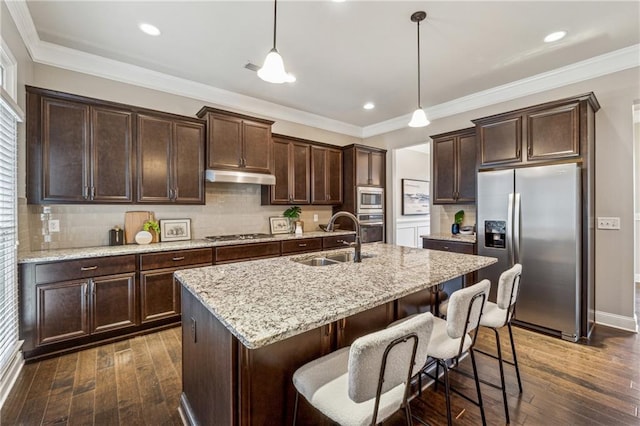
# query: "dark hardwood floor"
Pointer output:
{"type": "Point", "coordinates": [138, 381]}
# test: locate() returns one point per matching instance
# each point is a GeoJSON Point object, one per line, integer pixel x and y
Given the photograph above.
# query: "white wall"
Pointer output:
{"type": "Point", "coordinates": [614, 178]}
{"type": "Point", "coordinates": [409, 163]}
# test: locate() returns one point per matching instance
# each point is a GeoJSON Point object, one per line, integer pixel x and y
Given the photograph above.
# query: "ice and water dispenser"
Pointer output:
{"type": "Point", "coordinates": [495, 233]}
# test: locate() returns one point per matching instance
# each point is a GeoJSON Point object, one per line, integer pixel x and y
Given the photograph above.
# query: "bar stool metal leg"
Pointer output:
{"type": "Point", "coordinates": [475, 375]}
{"type": "Point", "coordinates": [515, 358]}
{"type": "Point", "coordinates": [504, 388]}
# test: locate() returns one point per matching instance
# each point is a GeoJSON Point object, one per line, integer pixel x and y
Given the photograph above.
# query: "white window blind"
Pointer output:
{"type": "Point", "coordinates": [9, 343]}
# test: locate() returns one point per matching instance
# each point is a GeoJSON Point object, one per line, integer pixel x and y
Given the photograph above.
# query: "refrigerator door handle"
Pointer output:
{"type": "Point", "coordinates": [509, 230]}
{"type": "Point", "coordinates": [516, 228]}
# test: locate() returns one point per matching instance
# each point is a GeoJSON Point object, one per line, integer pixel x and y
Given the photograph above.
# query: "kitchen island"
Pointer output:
{"type": "Point", "coordinates": [248, 326]}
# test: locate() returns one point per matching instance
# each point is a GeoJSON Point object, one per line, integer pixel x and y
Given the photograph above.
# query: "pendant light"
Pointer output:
{"type": "Point", "coordinates": [419, 118]}
{"type": "Point", "coordinates": [272, 69]}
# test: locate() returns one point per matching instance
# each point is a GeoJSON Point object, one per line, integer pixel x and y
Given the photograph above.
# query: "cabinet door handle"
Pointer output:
{"type": "Point", "coordinates": [518, 152]}
{"type": "Point", "coordinates": [302, 245]}
{"type": "Point", "coordinates": [85, 192]}
{"type": "Point", "coordinates": [529, 150]}
{"type": "Point", "coordinates": [93, 192]}
{"type": "Point", "coordinates": [89, 268]}
{"type": "Point", "coordinates": [177, 259]}
{"type": "Point", "coordinates": [343, 323]}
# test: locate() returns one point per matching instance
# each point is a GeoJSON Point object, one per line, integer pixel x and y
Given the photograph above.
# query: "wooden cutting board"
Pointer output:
{"type": "Point", "coordinates": [133, 222]}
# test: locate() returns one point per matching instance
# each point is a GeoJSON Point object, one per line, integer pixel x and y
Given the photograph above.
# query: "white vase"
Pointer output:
{"type": "Point", "coordinates": [144, 237]}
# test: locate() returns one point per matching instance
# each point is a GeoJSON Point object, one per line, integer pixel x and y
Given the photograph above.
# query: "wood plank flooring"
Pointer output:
{"type": "Point", "coordinates": [138, 382]}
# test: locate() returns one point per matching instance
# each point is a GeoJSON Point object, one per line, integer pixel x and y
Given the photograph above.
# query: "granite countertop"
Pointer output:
{"type": "Point", "coordinates": [266, 301]}
{"type": "Point", "coordinates": [78, 253]}
{"type": "Point", "coordinates": [450, 237]}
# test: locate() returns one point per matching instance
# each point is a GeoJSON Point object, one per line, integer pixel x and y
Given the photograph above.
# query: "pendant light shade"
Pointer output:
{"type": "Point", "coordinates": [419, 117]}
{"type": "Point", "coordinates": [272, 69]}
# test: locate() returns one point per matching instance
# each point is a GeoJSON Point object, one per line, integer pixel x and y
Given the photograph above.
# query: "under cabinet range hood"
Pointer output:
{"type": "Point", "coordinates": [239, 177]}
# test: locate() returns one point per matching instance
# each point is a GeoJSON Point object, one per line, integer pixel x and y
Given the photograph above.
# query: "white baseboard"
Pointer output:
{"type": "Point", "coordinates": [11, 374]}
{"type": "Point", "coordinates": [617, 321]}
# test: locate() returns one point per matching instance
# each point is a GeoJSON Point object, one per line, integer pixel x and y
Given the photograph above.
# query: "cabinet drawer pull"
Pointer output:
{"type": "Point", "coordinates": [302, 245]}
{"type": "Point", "coordinates": [89, 268]}
{"type": "Point", "coordinates": [446, 247]}
{"type": "Point", "coordinates": [340, 241]}
{"type": "Point", "coordinates": [176, 259]}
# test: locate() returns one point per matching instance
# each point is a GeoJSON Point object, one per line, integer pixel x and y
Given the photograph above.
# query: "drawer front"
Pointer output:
{"type": "Point", "coordinates": [299, 246]}
{"type": "Point", "coordinates": [453, 246]}
{"type": "Point", "coordinates": [84, 268]}
{"type": "Point", "coordinates": [337, 241]}
{"type": "Point", "coordinates": [178, 258]}
{"type": "Point", "coordinates": [247, 251]}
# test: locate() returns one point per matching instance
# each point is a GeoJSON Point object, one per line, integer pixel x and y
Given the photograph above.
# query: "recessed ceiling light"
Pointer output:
{"type": "Point", "coordinates": [149, 29]}
{"type": "Point", "coordinates": [369, 105]}
{"type": "Point", "coordinates": [558, 35]}
{"type": "Point", "coordinates": [339, 1]}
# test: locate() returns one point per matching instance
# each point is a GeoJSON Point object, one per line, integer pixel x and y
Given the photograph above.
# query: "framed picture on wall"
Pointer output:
{"type": "Point", "coordinates": [175, 229]}
{"type": "Point", "coordinates": [415, 197]}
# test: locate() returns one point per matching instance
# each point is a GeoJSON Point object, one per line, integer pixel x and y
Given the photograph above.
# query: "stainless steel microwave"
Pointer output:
{"type": "Point", "coordinates": [369, 199]}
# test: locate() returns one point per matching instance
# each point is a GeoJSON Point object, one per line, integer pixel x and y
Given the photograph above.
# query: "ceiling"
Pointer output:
{"type": "Point", "coordinates": [343, 54]}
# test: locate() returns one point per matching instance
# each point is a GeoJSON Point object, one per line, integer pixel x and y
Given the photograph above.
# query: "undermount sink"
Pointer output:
{"type": "Point", "coordinates": [331, 259]}
{"type": "Point", "coordinates": [317, 261]}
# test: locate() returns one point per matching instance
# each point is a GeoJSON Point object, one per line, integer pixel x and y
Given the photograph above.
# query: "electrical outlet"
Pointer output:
{"type": "Point", "coordinates": [193, 330]}
{"type": "Point", "coordinates": [315, 217]}
{"type": "Point", "coordinates": [54, 225]}
{"type": "Point", "coordinates": [608, 223]}
{"type": "Point", "coordinates": [47, 238]}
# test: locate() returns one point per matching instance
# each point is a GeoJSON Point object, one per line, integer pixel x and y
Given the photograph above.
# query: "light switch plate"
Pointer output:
{"type": "Point", "coordinates": [54, 225]}
{"type": "Point", "coordinates": [608, 223]}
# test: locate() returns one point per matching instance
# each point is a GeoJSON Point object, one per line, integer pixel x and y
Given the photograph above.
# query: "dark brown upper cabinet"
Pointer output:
{"type": "Point", "coordinates": [78, 151]}
{"type": "Point", "coordinates": [170, 159]}
{"type": "Point", "coordinates": [326, 175]}
{"type": "Point", "coordinates": [542, 133]}
{"type": "Point", "coordinates": [291, 162]}
{"type": "Point", "coordinates": [237, 141]}
{"type": "Point", "coordinates": [454, 167]}
{"type": "Point", "coordinates": [369, 166]}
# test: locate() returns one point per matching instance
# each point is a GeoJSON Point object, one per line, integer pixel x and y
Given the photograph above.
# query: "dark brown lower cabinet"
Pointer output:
{"type": "Point", "coordinates": [226, 383]}
{"type": "Point", "coordinates": [73, 309]}
{"type": "Point", "coordinates": [159, 290]}
{"type": "Point", "coordinates": [62, 311]}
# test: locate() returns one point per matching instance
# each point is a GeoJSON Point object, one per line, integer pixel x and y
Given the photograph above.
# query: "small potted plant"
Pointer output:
{"type": "Point", "coordinates": [293, 213]}
{"type": "Point", "coordinates": [153, 228]}
{"type": "Point", "coordinates": [457, 221]}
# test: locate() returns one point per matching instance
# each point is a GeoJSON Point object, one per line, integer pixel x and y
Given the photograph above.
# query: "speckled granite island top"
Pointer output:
{"type": "Point", "coordinates": [266, 301]}
{"type": "Point", "coordinates": [450, 237]}
{"type": "Point", "coordinates": [79, 253]}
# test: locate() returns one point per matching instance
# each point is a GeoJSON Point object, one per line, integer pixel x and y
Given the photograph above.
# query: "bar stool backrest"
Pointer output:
{"type": "Point", "coordinates": [367, 353]}
{"type": "Point", "coordinates": [465, 308]}
{"type": "Point", "coordinates": [509, 287]}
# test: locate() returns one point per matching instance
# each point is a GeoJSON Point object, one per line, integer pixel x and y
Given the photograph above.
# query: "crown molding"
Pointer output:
{"type": "Point", "coordinates": [75, 60]}
{"type": "Point", "coordinates": [608, 63]}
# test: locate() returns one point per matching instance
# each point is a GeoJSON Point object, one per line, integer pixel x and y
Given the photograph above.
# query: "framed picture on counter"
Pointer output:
{"type": "Point", "coordinates": [415, 197]}
{"type": "Point", "coordinates": [279, 225]}
{"type": "Point", "coordinates": [175, 229]}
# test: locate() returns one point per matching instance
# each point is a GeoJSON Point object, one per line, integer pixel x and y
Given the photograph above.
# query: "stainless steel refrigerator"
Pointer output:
{"type": "Point", "coordinates": [533, 216]}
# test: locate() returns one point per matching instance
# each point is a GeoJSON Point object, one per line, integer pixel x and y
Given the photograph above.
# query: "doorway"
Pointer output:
{"type": "Point", "coordinates": [414, 163]}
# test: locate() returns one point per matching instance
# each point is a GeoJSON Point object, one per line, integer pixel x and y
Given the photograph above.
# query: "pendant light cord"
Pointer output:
{"type": "Point", "coordinates": [275, 19]}
{"type": "Point", "coordinates": [419, 105]}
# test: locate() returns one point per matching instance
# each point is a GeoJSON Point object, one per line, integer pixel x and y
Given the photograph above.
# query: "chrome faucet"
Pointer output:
{"type": "Point", "coordinates": [357, 255]}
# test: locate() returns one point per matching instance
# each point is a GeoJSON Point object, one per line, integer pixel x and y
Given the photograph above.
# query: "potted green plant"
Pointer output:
{"type": "Point", "coordinates": [458, 218]}
{"type": "Point", "coordinates": [293, 213]}
{"type": "Point", "coordinates": [153, 228]}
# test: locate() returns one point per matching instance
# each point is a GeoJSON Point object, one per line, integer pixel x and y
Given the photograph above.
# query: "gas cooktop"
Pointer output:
{"type": "Point", "coordinates": [215, 238]}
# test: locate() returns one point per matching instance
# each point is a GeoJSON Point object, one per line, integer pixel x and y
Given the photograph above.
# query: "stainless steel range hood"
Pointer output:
{"type": "Point", "coordinates": [239, 177]}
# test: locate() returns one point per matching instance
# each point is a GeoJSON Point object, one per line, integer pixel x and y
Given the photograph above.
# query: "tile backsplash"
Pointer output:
{"type": "Point", "coordinates": [230, 208]}
{"type": "Point", "coordinates": [447, 215]}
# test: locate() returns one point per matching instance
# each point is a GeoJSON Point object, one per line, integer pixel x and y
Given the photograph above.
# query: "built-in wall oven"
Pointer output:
{"type": "Point", "coordinates": [371, 227]}
{"type": "Point", "coordinates": [369, 209]}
